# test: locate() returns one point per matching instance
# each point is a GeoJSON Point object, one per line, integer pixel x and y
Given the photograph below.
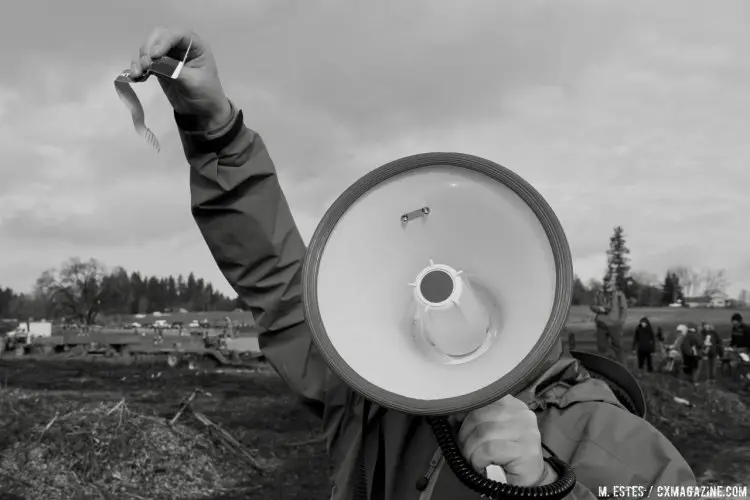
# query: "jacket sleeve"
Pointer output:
{"type": "Point", "coordinates": [245, 220]}
{"type": "Point", "coordinates": [734, 340]}
{"type": "Point", "coordinates": [607, 446]}
{"type": "Point", "coordinates": [635, 338]}
{"type": "Point", "coordinates": [719, 344]}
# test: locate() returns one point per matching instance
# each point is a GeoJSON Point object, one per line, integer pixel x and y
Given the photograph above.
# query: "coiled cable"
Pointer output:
{"type": "Point", "coordinates": [494, 490]}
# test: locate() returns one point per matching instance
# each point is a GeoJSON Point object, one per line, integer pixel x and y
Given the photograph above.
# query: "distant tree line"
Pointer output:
{"type": "Point", "coordinates": [641, 290]}
{"type": "Point", "coordinates": [81, 291]}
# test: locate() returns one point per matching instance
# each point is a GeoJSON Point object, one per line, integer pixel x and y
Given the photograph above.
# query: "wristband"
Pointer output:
{"type": "Point", "coordinates": [205, 143]}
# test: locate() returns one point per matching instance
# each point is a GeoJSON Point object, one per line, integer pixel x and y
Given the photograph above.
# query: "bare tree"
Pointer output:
{"type": "Point", "coordinates": [713, 281]}
{"type": "Point", "coordinates": [77, 289]}
{"type": "Point", "coordinates": [689, 279]}
{"type": "Point", "coordinates": [645, 278]}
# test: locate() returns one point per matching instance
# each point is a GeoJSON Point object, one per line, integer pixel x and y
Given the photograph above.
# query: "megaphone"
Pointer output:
{"type": "Point", "coordinates": [437, 284]}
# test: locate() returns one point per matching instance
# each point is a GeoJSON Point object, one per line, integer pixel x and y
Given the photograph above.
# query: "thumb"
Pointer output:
{"type": "Point", "coordinates": [171, 42]}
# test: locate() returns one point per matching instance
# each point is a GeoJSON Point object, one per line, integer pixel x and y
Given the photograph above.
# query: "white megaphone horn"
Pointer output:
{"type": "Point", "coordinates": [435, 285]}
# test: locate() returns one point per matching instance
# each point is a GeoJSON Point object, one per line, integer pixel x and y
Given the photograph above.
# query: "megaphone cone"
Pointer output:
{"type": "Point", "coordinates": [438, 284]}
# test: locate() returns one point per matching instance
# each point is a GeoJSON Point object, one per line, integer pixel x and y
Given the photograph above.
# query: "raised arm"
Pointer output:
{"type": "Point", "coordinates": [240, 209]}
{"type": "Point", "coordinates": [245, 219]}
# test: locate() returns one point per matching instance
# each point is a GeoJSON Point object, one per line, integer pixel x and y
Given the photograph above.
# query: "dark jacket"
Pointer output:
{"type": "Point", "coordinates": [691, 344]}
{"type": "Point", "coordinates": [712, 344]}
{"type": "Point", "coordinates": [644, 339]}
{"type": "Point", "coordinates": [740, 336]}
{"type": "Point", "coordinates": [245, 219]}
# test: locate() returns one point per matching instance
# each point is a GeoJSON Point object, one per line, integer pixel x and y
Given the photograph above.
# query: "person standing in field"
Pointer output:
{"type": "Point", "coordinates": [644, 343]}
{"type": "Point", "coordinates": [674, 350]}
{"type": "Point", "coordinates": [660, 349]}
{"type": "Point", "coordinates": [740, 333]}
{"type": "Point", "coordinates": [611, 310]}
{"type": "Point", "coordinates": [691, 349]}
{"type": "Point", "coordinates": [712, 348]}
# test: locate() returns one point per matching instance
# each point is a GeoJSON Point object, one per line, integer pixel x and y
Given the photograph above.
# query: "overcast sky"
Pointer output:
{"type": "Point", "coordinates": [633, 112]}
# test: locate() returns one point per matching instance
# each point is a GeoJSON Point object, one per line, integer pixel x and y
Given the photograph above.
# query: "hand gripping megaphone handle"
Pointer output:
{"type": "Point", "coordinates": [492, 489]}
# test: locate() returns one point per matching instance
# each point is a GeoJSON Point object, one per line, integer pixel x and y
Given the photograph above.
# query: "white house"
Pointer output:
{"type": "Point", "coordinates": [715, 300]}
{"type": "Point", "coordinates": [718, 300]}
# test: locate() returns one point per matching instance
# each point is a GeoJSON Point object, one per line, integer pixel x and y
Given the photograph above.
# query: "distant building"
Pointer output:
{"type": "Point", "coordinates": [715, 300]}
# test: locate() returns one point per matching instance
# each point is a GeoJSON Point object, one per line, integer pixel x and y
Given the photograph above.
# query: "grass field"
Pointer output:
{"type": "Point", "coordinates": [119, 413]}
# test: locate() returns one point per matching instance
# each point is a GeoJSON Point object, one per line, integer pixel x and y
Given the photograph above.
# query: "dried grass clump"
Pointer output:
{"type": "Point", "coordinates": [107, 450]}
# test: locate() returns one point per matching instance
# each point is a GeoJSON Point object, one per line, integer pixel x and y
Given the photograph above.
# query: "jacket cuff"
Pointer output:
{"type": "Point", "coordinates": [209, 141]}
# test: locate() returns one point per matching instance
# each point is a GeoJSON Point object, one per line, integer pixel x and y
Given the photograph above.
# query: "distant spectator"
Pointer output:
{"type": "Point", "coordinates": [712, 348]}
{"type": "Point", "coordinates": [690, 347]}
{"type": "Point", "coordinates": [660, 349]}
{"type": "Point", "coordinates": [571, 340]}
{"type": "Point", "coordinates": [740, 333]}
{"type": "Point", "coordinates": [611, 310]}
{"type": "Point", "coordinates": [674, 350]}
{"type": "Point", "coordinates": [644, 343]}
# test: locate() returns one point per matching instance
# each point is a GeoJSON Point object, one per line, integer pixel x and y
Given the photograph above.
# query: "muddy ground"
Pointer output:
{"type": "Point", "coordinates": [258, 410]}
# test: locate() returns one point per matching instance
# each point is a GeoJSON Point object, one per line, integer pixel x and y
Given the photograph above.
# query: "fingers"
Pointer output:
{"type": "Point", "coordinates": [503, 410]}
{"type": "Point", "coordinates": [490, 440]}
{"type": "Point", "coordinates": [163, 41]}
{"type": "Point", "coordinates": [494, 452]}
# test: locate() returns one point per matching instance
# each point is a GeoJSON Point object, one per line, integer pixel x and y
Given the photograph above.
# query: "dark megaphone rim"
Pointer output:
{"type": "Point", "coordinates": [516, 379]}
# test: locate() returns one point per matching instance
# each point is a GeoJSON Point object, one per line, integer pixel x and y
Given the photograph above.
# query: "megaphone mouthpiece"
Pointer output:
{"type": "Point", "coordinates": [449, 318]}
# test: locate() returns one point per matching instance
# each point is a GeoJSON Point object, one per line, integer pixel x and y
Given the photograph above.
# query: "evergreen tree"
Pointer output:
{"type": "Point", "coordinates": [172, 292]}
{"type": "Point", "coordinates": [190, 291]}
{"type": "Point", "coordinates": [618, 264]}
{"type": "Point", "coordinates": [181, 288]}
{"type": "Point", "coordinates": [671, 289]}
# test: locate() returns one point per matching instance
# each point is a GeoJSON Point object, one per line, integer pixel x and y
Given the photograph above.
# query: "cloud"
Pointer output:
{"type": "Point", "coordinates": [618, 113]}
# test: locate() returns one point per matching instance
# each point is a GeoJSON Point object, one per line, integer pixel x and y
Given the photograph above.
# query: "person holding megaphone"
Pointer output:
{"type": "Point", "coordinates": [244, 217]}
